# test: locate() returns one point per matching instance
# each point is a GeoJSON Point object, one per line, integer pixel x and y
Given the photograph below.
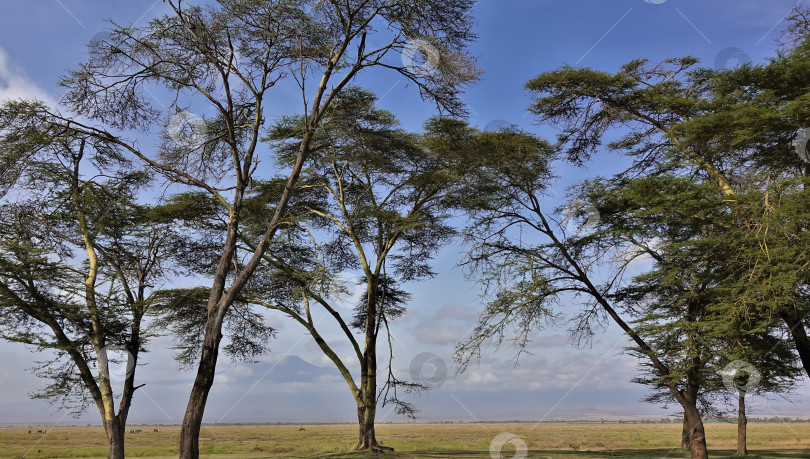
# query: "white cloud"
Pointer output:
{"type": "Point", "coordinates": [350, 360]}
{"type": "Point", "coordinates": [443, 335]}
{"type": "Point", "coordinates": [15, 84]}
{"type": "Point", "coordinates": [478, 378]}
{"type": "Point", "coordinates": [322, 361]}
{"type": "Point", "coordinates": [223, 378]}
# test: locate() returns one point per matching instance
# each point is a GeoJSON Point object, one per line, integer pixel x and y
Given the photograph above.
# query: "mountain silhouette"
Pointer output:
{"type": "Point", "coordinates": [291, 368]}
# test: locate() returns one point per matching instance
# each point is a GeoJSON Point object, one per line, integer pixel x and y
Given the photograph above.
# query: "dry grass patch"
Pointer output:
{"type": "Point", "coordinates": [546, 440]}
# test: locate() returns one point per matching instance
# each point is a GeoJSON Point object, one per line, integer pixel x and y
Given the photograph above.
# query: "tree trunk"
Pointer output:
{"type": "Point", "coordinates": [190, 429]}
{"type": "Point", "coordinates": [115, 434]}
{"type": "Point", "coordinates": [113, 426]}
{"type": "Point", "coordinates": [685, 434]}
{"type": "Point", "coordinates": [800, 338]}
{"type": "Point", "coordinates": [742, 425]}
{"type": "Point", "coordinates": [366, 437]}
{"type": "Point", "coordinates": [367, 440]}
{"type": "Point", "coordinates": [697, 433]}
{"type": "Point", "coordinates": [367, 413]}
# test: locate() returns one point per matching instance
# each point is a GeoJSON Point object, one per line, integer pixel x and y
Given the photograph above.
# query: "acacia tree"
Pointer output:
{"type": "Point", "coordinates": [228, 57]}
{"type": "Point", "coordinates": [754, 120]}
{"type": "Point", "coordinates": [79, 261]}
{"type": "Point", "coordinates": [674, 118]}
{"type": "Point", "coordinates": [650, 103]}
{"type": "Point", "coordinates": [763, 363]}
{"type": "Point", "coordinates": [723, 125]}
{"type": "Point", "coordinates": [760, 114]}
{"type": "Point", "coordinates": [378, 205]}
{"type": "Point", "coordinates": [372, 199]}
{"type": "Point", "coordinates": [686, 306]}
{"type": "Point", "coordinates": [671, 304]}
{"type": "Point", "coordinates": [528, 261]}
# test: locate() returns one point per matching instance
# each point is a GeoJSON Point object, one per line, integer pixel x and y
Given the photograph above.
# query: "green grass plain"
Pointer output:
{"type": "Point", "coordinates": [545, 440]}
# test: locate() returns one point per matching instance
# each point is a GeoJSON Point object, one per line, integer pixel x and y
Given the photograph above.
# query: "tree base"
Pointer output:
{"type": "Point", "coordinates": [374, 448]}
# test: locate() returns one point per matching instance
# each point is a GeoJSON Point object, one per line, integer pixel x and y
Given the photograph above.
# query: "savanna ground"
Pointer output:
{"type": "Point", "coordinates": [545, 440]}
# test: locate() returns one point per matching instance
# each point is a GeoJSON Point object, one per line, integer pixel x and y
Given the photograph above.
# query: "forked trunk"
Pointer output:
{"type": "Point", "coordinates": [367, 440]}
{"type": "Point", "coordinates": [367, 409]}
{"type": "Point", "coordinates": [192, 422]}
{"type": "Point", "coordinates": [742, 427]}
{"type": "Point", "coordinates": [217, 307]}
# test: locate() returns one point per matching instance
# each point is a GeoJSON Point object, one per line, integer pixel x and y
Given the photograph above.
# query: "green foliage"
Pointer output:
{"type": "Point", "coordinates": [392, 301]}
{"type": "Point", "coordinates": [714, 205]}
{"type": "Point", "coordinates": [370, 185]}
{"type": "Point", "coordinates": [184, 312]}
{"type": "Point", "coordinates": [689, 305]}
{"type": "Point", "coordinates": [79, 255]}
{"type": "Point", "coordinates": [644, 98]}
{"type": "Point", "coordinates": [373, 198]}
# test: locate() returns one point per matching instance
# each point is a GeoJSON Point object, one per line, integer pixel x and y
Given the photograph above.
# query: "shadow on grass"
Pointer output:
{"type": "Point", "coordinates": [653, 453]}
{"type": "Point", "coordinates": [554, 454]}
{"type": "Point", "coordinates": [616, 453]}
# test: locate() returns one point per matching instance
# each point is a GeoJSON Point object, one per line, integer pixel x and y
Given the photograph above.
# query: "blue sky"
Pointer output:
{"type": "Point", "coordinates": [518, 40]}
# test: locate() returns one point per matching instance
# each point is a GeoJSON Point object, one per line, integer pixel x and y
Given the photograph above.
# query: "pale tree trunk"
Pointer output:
{"type": "Point", "coordinates": [112, 424]}
{"type": "Point", "coordinates": [102, 394]}
{"type": "Point", "coordinates": [366, 440]}
{"type": "Point", "coordinates": [366, 414]}
{"type": "Point", "coordinates": [742, 427]}
{"type": "Point", "coordinates": [116, 428]}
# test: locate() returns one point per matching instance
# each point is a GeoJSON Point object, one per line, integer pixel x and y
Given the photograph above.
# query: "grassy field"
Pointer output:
{"type": "Point", "coordinates": [547, 440]}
